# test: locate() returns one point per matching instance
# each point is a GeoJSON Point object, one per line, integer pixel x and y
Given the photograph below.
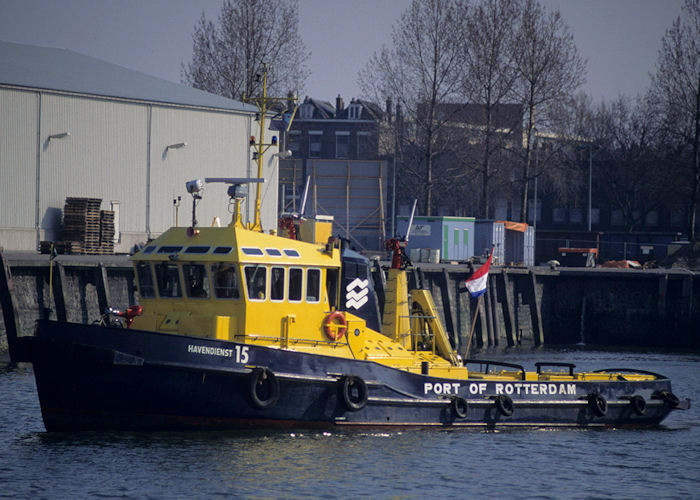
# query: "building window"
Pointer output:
{"type": "Point", "coordinates": [306, 111]}
{"type": "Point", "coordinates": [677, 217]}
{"type": "Point", "coordinates": [363, 146]}
{"type": "Point", "coordinates": [315, 144]}
{"type": "Point", "coordinates": [558, 214]}
{"type": "Point", "coordinates": [355, 111]}
{"type": "Point", "coordinates": [294, 143]}
{"type": "Point", "coordinates": [576, 216]}
{"type": "Point", "coordinates": [342, 144]}
{"type": "Point", "coordinates": [652, 218]}
{"type": "Point", "coordinates": [616, 218]}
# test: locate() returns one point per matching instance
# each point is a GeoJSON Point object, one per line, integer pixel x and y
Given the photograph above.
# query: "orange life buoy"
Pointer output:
{"type": "Point", "coordinates": [336, 332]}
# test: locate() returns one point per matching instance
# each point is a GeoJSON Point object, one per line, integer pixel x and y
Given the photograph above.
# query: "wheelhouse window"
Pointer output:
{"type": "Point", "coordinates": [256, 282]}
{"type": "Point", "coordinates": [144, 275]}
{"type": "Point", "coordinates": [196, 281]}
{"type": "Point", "coordinates": [332, 287]}
{"type": "Point", "coordinates": [295, 282]}
{"type": "Point", "coordinates": [225, 281]}
{"type": "Point", "coordinates": [277, 283]}
{"type": "Point", "coordinates": [313, 285]}
{"type": "Point", "coordinates": [168, 279]}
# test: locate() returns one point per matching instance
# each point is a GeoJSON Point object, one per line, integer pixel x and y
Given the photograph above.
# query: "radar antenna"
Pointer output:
{"type": "Point", "coordinates": [237, 192]}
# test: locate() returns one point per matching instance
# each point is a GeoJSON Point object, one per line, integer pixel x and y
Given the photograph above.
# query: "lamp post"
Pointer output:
{"type": "Point", "coordinates": [590, 184]}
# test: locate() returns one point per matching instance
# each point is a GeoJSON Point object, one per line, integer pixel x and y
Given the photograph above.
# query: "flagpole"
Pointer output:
{"type": "Point", "coordinates": [471, 332]}
{"type": "Point", "coordinates": [478, 283]}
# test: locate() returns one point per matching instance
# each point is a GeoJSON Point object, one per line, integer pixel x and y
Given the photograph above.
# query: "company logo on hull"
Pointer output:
{"type": "Point", "coordinates": [356, 298]}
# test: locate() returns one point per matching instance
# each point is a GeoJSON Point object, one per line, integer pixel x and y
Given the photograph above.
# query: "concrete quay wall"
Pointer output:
{"type": "Point", "coordinates": [655, 308]}
{"type": "Point", "coordinates": [522, 306]}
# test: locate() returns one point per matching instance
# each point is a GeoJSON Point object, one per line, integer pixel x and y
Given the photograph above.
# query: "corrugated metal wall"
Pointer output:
{"type": "Point", "coordinates": [18, 122]}
{"type": "Point", "coordinates": [104, 157]}
{"type": "Point", "coordinates": [114, 150]}
{"type": "Point", "coordinates": [354, 192]}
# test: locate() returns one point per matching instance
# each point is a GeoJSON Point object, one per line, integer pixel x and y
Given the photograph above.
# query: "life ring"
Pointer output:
{"type": "Point", "coordinates": [338, 329]}
{"type": "Point", "coordinates": [639, 405]}
{"type": "Point", "coordinates": [670, 399]}
{"type": "Point", "coordinates": [353, 391]}
{"type": "Point", "coordinates": [263, 388]}
{"type": "Point", "coordinates": [504, 405]}
{"type": "Point", "coordinates": [597, 404]}
{"type": "Point", "coordinates": [459, 406]}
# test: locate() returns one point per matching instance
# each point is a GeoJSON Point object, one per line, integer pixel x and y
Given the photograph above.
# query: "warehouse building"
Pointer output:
{"type": "Point", "coordinates": [75, 126]}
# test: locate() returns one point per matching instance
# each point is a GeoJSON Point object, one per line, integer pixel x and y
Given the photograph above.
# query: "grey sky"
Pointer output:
{"type": "Point", "coordinates": [619, 38]}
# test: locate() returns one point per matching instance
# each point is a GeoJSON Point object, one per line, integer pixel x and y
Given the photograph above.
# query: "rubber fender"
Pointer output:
{"type": "Point", "coordinates": [504, 405]}
{"type": "Point", "coordinates": [459, 406]}
{"type": "Point", "coordinates": [639, 404]}
{"type": "Point", "coordinates": [353, 391]}
{"type": "Point", "coordinates": [597, 404]}
{"type": "Point", "coordinates": [263, 388]}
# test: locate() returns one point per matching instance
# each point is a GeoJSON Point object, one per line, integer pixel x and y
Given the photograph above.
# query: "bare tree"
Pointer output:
{"type": "Point", "coordinates": [228, 56]}
{"type": "Point", "coordinates": [488, 81]}
{"type": "Point", "coordinates": [550, 70]}
{"type": "Point", "coordinates": [676, 94]}
{"type": "Point", "coordinates": [634, 180]}
{"type": "Point", "coordinates": [421, 71]}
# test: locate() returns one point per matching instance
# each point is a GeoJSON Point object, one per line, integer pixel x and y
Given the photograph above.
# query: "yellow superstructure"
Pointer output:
{"type": "Point", "coordinates": [237, 284]}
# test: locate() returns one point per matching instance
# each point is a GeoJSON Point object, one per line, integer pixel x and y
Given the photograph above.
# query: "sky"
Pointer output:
{"type": "Point", "coordinates": [619, 39]}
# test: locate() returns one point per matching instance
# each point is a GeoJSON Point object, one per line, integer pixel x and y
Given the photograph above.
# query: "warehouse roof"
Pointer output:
{"type": "Point", "coordinates": [67, 71]}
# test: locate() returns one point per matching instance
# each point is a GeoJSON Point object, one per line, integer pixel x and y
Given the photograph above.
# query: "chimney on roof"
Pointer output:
{"type": "Point", "coordinates": [339, 106]}
{"type": "Point", "coordinates": [290, 101]}
{"type": "Point", "coordinates": [388, 109]}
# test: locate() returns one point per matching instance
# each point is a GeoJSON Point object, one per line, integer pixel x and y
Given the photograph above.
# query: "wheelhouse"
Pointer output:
{"type": "Point", "coordinates": [230, 283]}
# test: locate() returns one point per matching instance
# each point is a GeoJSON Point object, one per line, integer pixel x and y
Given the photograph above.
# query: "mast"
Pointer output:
{"type": "Point", "coordinates": [264, 104]}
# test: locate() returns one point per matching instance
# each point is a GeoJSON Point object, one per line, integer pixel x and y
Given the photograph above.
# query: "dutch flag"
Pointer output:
{"type": "Point", "coordinates": [476, 284]}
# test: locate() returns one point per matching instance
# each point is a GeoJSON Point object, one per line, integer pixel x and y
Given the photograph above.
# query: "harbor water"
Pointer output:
{"type": "Point", "coordinates": [298, 464]}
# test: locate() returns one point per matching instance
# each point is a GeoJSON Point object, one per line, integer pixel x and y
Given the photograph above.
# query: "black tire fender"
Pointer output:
{"type": "Point", "coordinates": [639, 404]}
{"type": "Point", "coordinates": [263, 388]}
{"type": "Point", "coordinates": [598, 404]}
{"type": "Point", "coordinates": [353, 391]}
{"type": "Point", "coordinates": [504, 405]}
{"type": "Point", "coordinates": [459, 406]}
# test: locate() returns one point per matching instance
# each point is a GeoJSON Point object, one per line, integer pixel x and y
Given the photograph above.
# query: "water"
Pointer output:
{"type": "Point", "coordinates": [557, 464]}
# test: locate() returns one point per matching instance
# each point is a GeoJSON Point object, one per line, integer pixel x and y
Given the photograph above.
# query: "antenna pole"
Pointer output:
{"type": "Point", "coordinates": [262, 106]}
{"type": "Point", "coordinates": [306, 193]}
{"type": "Point", "coordinates": [410, 221]}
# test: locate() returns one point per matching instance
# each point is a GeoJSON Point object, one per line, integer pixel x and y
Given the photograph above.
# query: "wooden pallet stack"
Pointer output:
{"type": "Point", "coordinates": [81, 223]}
{"type": "Point", "coordinates": [107, 232]}
{"type": "Point", "coordinates": [87, 229]}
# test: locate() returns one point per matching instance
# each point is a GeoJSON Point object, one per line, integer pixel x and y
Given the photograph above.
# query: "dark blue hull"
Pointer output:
{"type": "Point", "coordinates": [92, 378]}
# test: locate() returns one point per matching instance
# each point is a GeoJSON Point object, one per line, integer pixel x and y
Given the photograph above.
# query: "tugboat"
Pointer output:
{"type": "Point", "coordinates": [238, 328]}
